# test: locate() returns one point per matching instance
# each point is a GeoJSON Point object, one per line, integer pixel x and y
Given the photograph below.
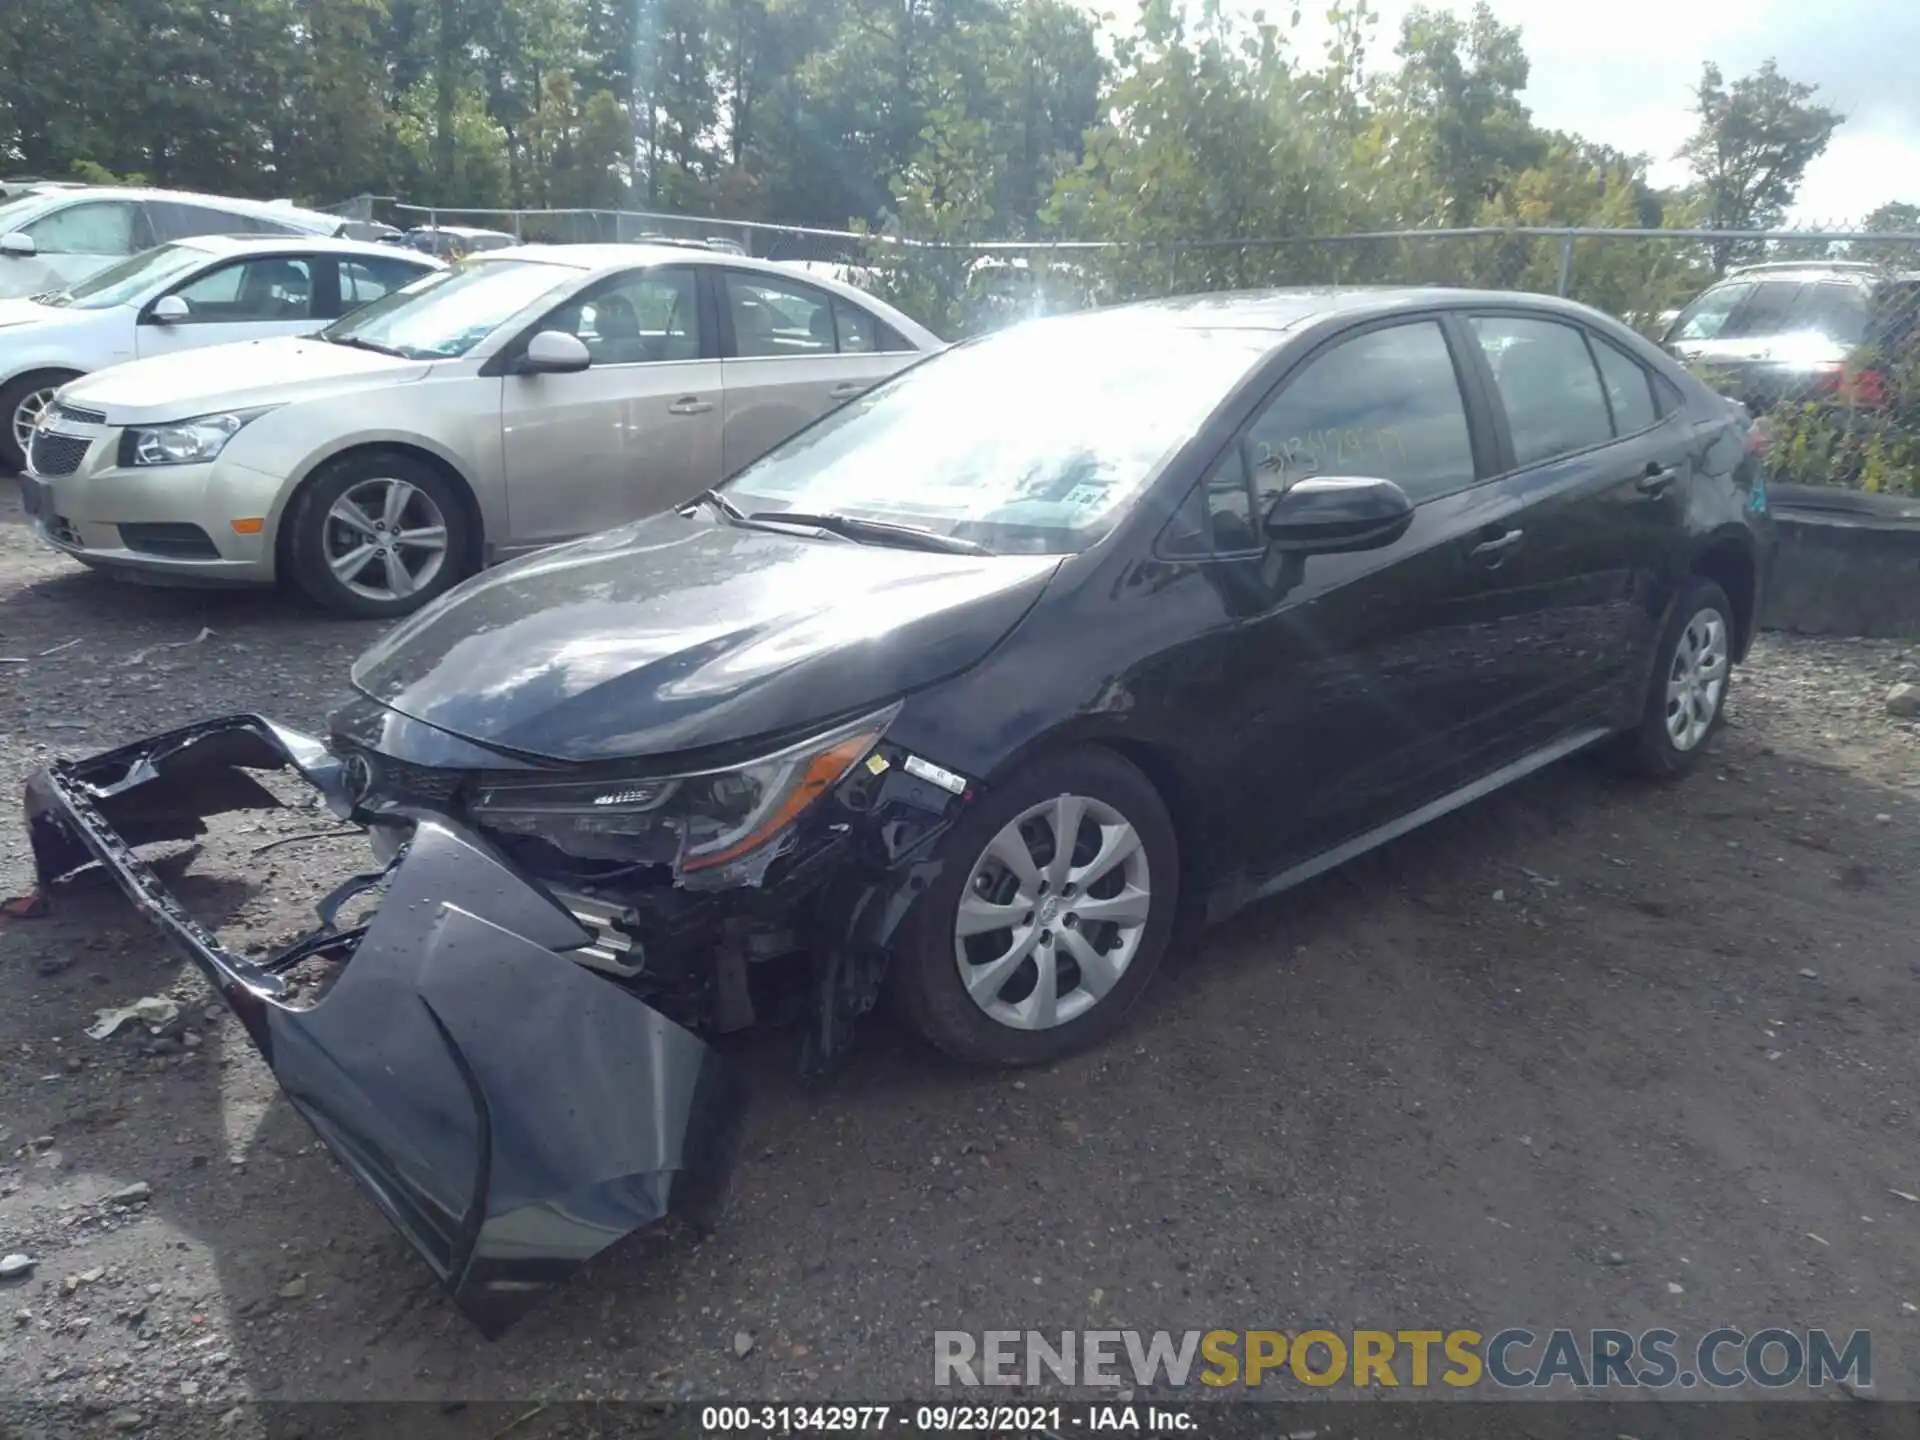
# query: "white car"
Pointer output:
{"type": "Point", "coordinates": [53, 237]}
{"type": "Point", "coordinates": [518, 399]}
{"type": "Point", "coordinates": [191, 293]}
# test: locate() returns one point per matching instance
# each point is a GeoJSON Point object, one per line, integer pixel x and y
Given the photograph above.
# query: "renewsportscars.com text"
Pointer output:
{"type": "Point", "coordinates": [1513, 1358]}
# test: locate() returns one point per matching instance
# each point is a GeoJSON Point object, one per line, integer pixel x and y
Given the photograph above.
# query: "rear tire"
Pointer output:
{"type": "Point", "coordinates": [378, 534]}
{"type": "Point", "coordinates": [1085, 929]}
{"type": "Point", "coordinates": [21, 400]}
{"type": "Point", "coordinates": [1693, 670]}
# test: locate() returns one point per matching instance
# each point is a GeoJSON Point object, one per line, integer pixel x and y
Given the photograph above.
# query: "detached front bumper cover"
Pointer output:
{"type": "Point", "coordinates": [511, 1113]}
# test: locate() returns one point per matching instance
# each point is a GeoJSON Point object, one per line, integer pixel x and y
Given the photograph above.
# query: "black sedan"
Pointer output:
{"type": "Point", "coordinates": [963, 693]}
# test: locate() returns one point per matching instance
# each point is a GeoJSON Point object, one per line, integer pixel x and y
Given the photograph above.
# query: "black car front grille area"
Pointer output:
{"type": "Point", "coordinates": [78, 416]}
{"type": "Point", "coordinates": [171, 540]}
{"type": "Point", "coordinates": [54, 455]}
{"type": "Point", "coordinates": [404, 781]}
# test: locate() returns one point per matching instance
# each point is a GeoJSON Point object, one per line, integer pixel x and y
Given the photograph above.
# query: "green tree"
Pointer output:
{"type": "Point", "coordinates": [1896, 217]}
{"type": "Point", "coordinates": [1455, 105]}
{"type": "Point", "coordinates": [342, 140]}
{"type": "Point", "coordinates": [1753, 141]}
{"type": "Point", "coordinates": [1210, 139]}
{"type": "Point", "coordinates": [456, 161]}
{"type": "Point", "coordinates": [1043, 80]}
{"type": "Point", "coordinates": [603, 154]}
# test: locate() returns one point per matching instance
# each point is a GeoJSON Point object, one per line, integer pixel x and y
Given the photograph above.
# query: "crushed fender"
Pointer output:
{"type": "Point", "coordinates": [510, 1112]}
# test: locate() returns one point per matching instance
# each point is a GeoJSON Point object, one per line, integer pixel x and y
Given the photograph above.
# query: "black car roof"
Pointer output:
{"type": "Point", "coordinates": [1283, 309]}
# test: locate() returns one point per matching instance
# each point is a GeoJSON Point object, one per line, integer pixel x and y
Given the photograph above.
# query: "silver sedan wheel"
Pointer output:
{"type": "Point", "coordinates": [1053, 913]}
{"type": "Point", "coordinates": [385, 539]}
{"type": "Point", "coordinates": [27, 414]}
{"type": "Point", "coordinates": [1697, 680]}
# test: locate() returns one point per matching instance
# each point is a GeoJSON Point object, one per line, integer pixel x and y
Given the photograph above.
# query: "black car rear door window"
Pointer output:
{"type": "Point", "coordinates": [1547, 384]}
{"type": "Point", "coordinates": [1629, 390]}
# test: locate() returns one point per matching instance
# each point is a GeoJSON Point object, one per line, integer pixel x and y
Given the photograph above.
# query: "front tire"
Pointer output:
{"type": "Point", "coordinates": [1688, 697]}
{"type": "Point", "coordinates": [22, 400]}
{"type": "Point", "coordinates": [1027, 949]}
{"type": "Point", "coordinates": [378, 534]}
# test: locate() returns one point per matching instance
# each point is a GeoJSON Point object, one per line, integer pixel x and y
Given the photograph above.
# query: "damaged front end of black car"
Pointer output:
{"type": "Point", "coordinates": [513, 1055]}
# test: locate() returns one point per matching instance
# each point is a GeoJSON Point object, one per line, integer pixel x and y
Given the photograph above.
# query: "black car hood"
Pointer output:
{"type": "Point", "coordinates": [681, 633]}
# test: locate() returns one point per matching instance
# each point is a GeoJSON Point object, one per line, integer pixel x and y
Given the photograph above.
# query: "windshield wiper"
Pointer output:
{"type": "Point", "coordinates": [51, 297]}
{"type": "Point", "coordinates": [357, 343]}
{"type": "Point", "coordinates": [728, 510]}
{"type": "Point", "coordinates": [878, 532]}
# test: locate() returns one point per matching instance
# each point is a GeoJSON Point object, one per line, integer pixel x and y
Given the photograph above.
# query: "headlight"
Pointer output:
{"type": "Point", "coordinates": [703, 824]}
{"type": "Point", "coordinates": [185, 442]}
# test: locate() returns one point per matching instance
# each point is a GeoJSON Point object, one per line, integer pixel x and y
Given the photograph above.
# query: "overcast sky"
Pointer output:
{"type": "Point", "coordinates": [1619, 72]}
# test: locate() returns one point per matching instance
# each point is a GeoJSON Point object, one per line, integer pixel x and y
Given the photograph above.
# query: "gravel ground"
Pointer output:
{"type": "Point", "coordinates": [1593, 1053]}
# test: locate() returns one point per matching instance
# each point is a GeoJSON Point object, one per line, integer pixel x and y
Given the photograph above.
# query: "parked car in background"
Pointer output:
{"type": "Point", "coordinates": [16, 186]}
{"type": "Point", "coordinates": [1002, 289]}
{"type": "Point", "coordinates": [205, 291]}
{"type": "Point", "coordinates": [53, 238]}
{"type": "Point", "coordinates": [374, 230]}
{"type": "Point", "coordinates": [861, 277]}
{"type": "Point", "coordinates": [1786, 331]}
{"type": "Point", "coordinates": [450, 242]}
{"type": "Point", "coordinates": [521, 398]}
{"type": "Point", "coordinates": [968, 691]}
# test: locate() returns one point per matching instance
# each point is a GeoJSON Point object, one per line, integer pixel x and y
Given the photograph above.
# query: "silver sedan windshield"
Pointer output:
{"type": "Point", "coordinates": [450, 311]}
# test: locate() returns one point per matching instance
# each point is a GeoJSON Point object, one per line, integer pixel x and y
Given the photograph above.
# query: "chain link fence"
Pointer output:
{"type": "Point", "coordinates": [574, 227]}
{"type": "Point", "coordinates": [1819, 330]}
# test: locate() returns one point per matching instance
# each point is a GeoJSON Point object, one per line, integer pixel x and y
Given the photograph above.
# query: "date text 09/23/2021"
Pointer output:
{"type": "Point", "coordinates": [944, 1419]}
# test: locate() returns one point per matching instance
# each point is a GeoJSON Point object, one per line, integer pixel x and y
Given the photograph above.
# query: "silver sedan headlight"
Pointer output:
{"type": "Point", "coordinates": [185, 442]}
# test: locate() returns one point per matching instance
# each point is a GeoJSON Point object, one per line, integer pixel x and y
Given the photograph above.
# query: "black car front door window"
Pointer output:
{"type": "Point", "coordinates": [1383, 405]}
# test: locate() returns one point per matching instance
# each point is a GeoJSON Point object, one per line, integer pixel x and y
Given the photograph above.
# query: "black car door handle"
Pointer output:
{"type": "Point", "coordinates": [1657, 479]}
{"type": "Point", "coordinates": [1492, 552]}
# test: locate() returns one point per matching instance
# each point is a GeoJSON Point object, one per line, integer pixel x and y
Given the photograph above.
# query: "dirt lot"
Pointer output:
{"type": "Point", "coordinates": [1592, 1054]}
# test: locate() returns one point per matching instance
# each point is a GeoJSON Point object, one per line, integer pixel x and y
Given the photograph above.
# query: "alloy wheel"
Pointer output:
{"type": "Point", "coordinates": [1052, 913]}
{"type": "Point", "coordinates": [26, 415]}
{"type": "Point", "coordinates": [1697, 679]}
{"type": "Point", "coordinates": [385, 539]}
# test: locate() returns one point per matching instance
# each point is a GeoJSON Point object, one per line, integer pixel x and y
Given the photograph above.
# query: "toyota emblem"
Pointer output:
{"type": "Point", "coordinates": [356, 776]}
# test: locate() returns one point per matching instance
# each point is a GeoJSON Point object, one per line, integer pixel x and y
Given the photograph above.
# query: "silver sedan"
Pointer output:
{"type": "Point", "coordinates": [524, 397]}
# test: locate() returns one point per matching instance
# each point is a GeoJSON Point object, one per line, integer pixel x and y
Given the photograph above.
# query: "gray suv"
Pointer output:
{"type": "Point", "coordinates": [1785, 331]}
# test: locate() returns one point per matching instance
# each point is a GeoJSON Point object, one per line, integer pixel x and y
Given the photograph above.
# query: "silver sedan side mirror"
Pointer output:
{"type": "Point", "coordinates": [554, 352]}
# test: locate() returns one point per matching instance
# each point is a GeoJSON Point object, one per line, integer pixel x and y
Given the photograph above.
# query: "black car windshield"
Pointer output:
{"type": "Point", "coordinates": [448, 312]}
{"type": "Point", "coordinates": [1033, 440]}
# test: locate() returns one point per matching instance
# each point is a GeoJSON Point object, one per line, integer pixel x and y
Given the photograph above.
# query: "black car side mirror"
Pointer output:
{"type": "Point", "coordinates": [1330, 514]}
